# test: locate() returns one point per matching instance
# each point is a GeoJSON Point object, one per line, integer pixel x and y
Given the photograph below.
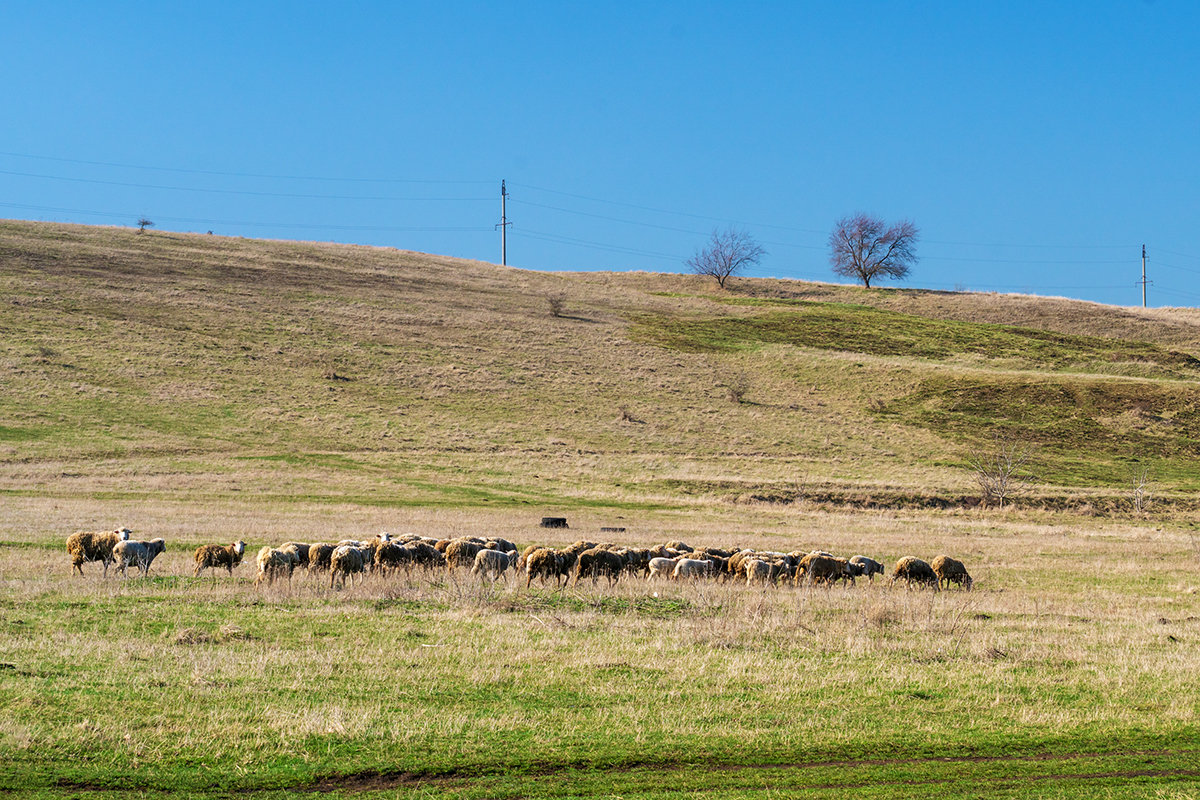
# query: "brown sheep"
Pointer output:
{"type": "Point", "coordinates": [461, 553]}
{"type": "Point", "coordinates": [914, 570]}
{"type": "Point", "coordinates": [84, 546]}
{"type": "Point", "coordinates": [543, 563]}
{"type": "Point", "coordinates": [950, 570]}
{"type": "Point", "coordinates": [821, 568]}
{"type": "Point", "coordinates": [596, 562]}
{"type": "Point", "coordinates": [318, 555]}
{"type": "Point", "coordinates": [215, 555]}
{"type": "Point", "coordinates": [347, 561]}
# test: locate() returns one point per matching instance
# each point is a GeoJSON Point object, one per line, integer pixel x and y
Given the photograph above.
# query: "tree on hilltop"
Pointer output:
{"type": "Point", "coordinates": [864, 248]}
{"type": "Point", "coordinates": [728, 252]}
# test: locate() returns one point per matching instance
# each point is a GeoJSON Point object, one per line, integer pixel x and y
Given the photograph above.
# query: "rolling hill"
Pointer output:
{"type": "Point", "coordinates": [192, 366]}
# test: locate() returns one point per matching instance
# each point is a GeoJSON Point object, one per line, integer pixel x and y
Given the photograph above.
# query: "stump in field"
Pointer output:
{"type": "Point", "coordinates": [554, 522]}
{"type": "Point", "coordinates": [606, 529]}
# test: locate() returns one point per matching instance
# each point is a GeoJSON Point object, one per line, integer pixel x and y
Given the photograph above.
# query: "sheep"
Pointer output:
{"type": "Point", "coordinates": [821, 568]}
{"type": "Point", "coordinates": [526, 553]}
{"type": "Point", "coordinates": [215, 555]}
{"type": "Point", "coordinates": [142, 554]}
{"type": "Point", "coordinates": [461, 552]}
{"type": "Point", "coordinates": [678, 546]}
{"type": "Point", "coordinates": [637, 562]}
{"type": "Point", "coordinates": [318, 555]}
{"type": "Point", "coordinates": [84, 546]}
{"type": "Point", "coordinates": [299, 550]}
{"type": "Point", "coordinates": [347, 561]}
{"type": "Point", "coordinates": [426, 555]}
{"type": "Point", "coordinates": [950, 570]}
{"type": "Point", "coordinates": [597, 562]}
{"type": "Point", "coordinates": [914, 570]}
{"type": "Point", "coordinates": [543, 563]}
{"type": "Point", "coordinates": [393, 556]}
{"type": "Point", "coordinates": [691, 569]}
{"type": "Point", "coordinates": [494, 563]}
{"type": "Point", "coordinates": [273, 563]}
{"type": "Point", "coordinates": [661, 567]}
{"type": "Point", "coordinates": [762, 571]}
{"type": "Point", "coordinates": [870, 567]}
{"type": "Point", "coordinates": [503, 545]}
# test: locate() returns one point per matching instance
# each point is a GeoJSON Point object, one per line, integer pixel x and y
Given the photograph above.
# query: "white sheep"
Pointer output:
{"type": "Point", "coordinates": [691, 569]}
{"type": "Point", "coordinates": [494, 563]}
{"type": "Point", "coordinates": [273, 563]}
{"type": "Point", "coordinates": [140, 553]}
{"type": "Point", "coordinates": [661, 567]}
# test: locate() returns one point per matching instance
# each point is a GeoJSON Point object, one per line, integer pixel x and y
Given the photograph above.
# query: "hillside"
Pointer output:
{"type": "Point", "coordinates": [193, 367]}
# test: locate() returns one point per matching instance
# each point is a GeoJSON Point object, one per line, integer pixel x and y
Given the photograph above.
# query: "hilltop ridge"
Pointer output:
{"type": "Point", "coordinates": [196, 366]}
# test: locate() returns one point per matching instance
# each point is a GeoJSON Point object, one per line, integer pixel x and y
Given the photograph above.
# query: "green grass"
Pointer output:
{"type": "Point", "coordinates": [862, 329]}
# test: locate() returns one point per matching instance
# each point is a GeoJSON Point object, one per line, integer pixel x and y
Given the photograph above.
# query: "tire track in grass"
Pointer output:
{"type": "Point", "coordinates": [373, 781]}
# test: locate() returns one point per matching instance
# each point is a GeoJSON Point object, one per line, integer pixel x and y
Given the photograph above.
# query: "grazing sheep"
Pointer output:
{"type": "Point", "coordinates": [543, 563]}
{"type": "Point", "coordinates": [494, 563]}
{"type": "Point", "coordinates": [759, 570]}
{"type": "Point", "coordinates": [503, 545]}
{"type": "Point", "coordinates": [318, 555]}
{"type": "Point", "coordinates": [347, 561]}
{"type": "Point", "coordinates": [84, 546]}
{"type": "Point", "coordinates": [678, 546]}
{"type": "Point", "coordinates": [870, 567]}
{"type": "Point", "coordinates": [914, 570]}
{"type": "Point", "coordinates": [273, 563]}
{"type": "Point", "coordinates": [140, 553]}
{"type": "Point", "coordinates": [426, 555]}
{"type": "Point", "coordinates": [299, 550]}
{"type": "Point", "coordinates": [691, 569]}
{"type": "Point", "coordinates": [215, 555]}
{"type": "Point", "coordinates": [950, 570]}
{"type": "Point", "coordinates": [596, 562]}
{"type": "Point", "coordinates": [820, 568]}
{"type": "Point", "coordinates": [526, 553]}
{"type": "Point", "coordinates": [637, 562]}
{"type": "Point", "coordinates": [661, 567]}
{"type": "Point", "coordinates": [461, 553]}
{"type": "Point", "coordinates": [392, 556]}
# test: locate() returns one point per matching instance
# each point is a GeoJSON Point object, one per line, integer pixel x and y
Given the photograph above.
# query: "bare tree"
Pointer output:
{"type": "Point", "coordinates": [1000, 471]}
{"type": "Point", "coordinates": [728, 252]}
{"type": "Point", "coordinates": [863, 247]}
{"type": "Point", "coordinates": [143, 223]}
{"type": "Point", "coordinates": [1140, 490]}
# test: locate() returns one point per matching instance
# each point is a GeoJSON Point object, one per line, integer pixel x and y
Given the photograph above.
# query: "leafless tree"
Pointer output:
{"type": "Point", "coordinates": [144, 223]}
{"type": "Point", "coordinates": [1140, 490]}
{"type": "Point", "coordinates": [863, 247]}
{"type": "Point", "coordinates": [1000, 471]}
{"type": "Point", "coordinates": [728, 252]}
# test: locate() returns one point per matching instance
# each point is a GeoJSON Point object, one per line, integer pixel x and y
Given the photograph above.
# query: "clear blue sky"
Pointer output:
{"type": "Point", "coordinates": [1036, 145]}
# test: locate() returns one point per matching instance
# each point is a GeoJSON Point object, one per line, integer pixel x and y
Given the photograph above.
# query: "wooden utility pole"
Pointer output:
{"type": "Point", "coordinates": [504, 223]}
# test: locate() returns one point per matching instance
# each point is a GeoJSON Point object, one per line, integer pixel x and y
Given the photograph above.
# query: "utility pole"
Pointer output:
{"type": "Point", "coordinates": [1143, 281]}
{"type": "Point", "coordinates": [504, 223]}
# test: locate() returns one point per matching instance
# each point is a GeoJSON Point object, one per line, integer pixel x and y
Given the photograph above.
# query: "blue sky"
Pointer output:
{"type": "Point", "coordinates": [1037, 146]}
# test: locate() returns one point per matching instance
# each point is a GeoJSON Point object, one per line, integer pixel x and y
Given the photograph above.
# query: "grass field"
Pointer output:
{"type": "Point", "coordinates": [204, 389]}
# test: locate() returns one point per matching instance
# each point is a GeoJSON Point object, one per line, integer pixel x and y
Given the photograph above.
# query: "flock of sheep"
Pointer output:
{"type": "Point", "coordinates": [492, 559]}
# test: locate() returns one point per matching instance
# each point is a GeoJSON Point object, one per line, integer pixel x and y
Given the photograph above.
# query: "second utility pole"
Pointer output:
{"type": "Point", "coordinates": [503, 226]}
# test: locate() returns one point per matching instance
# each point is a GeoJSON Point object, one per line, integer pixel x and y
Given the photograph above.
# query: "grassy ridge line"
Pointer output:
{"type": "Point", "coordinates": [129, 357]}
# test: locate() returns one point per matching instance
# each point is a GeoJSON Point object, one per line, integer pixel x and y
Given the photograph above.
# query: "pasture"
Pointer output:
{"type": "Point", "coordinates": [1069, 669]}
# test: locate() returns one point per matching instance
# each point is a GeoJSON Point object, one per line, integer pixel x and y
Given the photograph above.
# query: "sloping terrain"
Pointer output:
{"type": "Point", "coordinates": [197, 366]}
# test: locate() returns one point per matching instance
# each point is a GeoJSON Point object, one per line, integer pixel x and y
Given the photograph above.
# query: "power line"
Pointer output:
{"type": "Point", "coordinates": [245, 192]}
{"type": "Point", "coordinates": [289, 225]}
{"type": "Point", "coordinates": [240, 174]}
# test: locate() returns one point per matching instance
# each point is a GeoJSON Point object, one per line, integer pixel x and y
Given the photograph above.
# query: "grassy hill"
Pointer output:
{"type": "Point", "coordinates": [194, 367]}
